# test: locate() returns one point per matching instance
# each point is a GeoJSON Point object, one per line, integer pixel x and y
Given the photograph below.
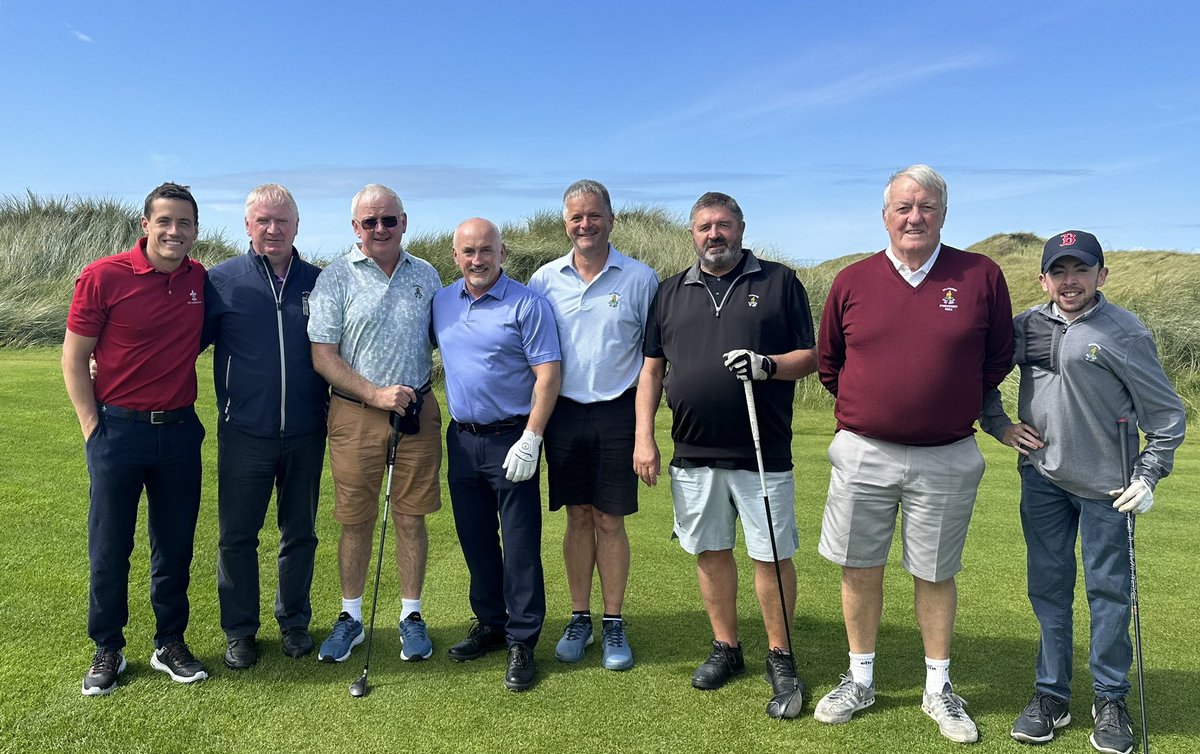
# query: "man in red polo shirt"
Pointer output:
{"type": "Point", "coordinates": [140, 314]}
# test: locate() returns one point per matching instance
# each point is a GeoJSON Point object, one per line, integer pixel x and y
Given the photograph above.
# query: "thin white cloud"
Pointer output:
{"type": "Point", "coordinates": [768, 96]}
{"type": "Point", "coordinates": [80, 35]}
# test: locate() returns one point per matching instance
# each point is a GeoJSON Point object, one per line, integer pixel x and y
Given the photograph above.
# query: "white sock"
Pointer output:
{"type": "Point", "coordinates": [354, 607]}
{"type": "Point", "coordinates": [408, 607]}
{"type": "Point", "coordinates": [862, 668]}
{"type": "Point", "coordinates": [937, 675]}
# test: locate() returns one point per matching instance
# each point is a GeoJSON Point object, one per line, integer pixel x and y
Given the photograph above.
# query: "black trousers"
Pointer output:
{"type": "Point", "coordinates": [249, 468]}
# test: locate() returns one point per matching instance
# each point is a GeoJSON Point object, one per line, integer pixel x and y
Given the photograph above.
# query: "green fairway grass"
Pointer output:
{"type": "Point", "coordinates": [286, 705]}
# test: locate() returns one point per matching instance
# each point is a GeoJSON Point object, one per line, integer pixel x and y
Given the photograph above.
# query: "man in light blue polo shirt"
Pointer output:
{"type": "Point", "coordinates": [600, 298]}
{"type": "Point", "coordinates": [369, 325]}
{"type": "Point", "coordinates": [501, 354]}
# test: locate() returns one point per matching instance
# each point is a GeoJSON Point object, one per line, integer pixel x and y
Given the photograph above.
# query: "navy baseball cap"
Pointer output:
{"type": "Point", "coordinates": [1072, 243]}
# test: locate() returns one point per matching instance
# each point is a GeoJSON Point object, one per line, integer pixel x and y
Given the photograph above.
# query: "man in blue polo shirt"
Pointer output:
{"type": "Point", "coordinates": [501, 354]}
{"type": "Point", "coordinates": [600, 298]}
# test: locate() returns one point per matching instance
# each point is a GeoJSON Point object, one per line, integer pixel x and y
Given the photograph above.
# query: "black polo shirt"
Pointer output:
{"type": "Point", "coordinates": [765, 310]}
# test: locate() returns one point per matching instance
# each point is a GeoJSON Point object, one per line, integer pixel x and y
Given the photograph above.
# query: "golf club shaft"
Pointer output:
{"type": "Point", "coordinates": [1126, 474]}
{"type": "Point", "coordinates": [393, 441]}
{"type": "Point", "coordinates": [752, 410]}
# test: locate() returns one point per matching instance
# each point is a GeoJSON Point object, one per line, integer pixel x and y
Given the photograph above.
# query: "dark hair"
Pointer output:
{"type": "Point", "coordinates": [170, 190]}
{"type": "Point", "coordinates": [716, 199]}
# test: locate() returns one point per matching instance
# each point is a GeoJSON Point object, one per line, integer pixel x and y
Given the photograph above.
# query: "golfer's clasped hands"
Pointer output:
{"type": "Point", "coordinates": [522, 459]}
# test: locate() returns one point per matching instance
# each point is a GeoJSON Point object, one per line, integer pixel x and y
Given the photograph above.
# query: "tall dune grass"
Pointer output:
{"type": "Point", "coordinates": [46, 241]}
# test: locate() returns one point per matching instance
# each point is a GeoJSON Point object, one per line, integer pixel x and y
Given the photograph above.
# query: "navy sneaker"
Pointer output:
{"type": "Point", "coordinates": [1112, 732]}
{"type": "Point", "coordinates": [1042, 716]}
{"type": "Point", "coordinates": [414, 639]}
{"type": "Point", "coordinates": [617, 654]}
{"type": "Point", "coordinates": [347, 634]}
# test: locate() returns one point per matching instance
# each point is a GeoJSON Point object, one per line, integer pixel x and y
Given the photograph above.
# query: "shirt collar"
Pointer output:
{"type": "Point", "coordinates": [497, 291]}
{"type": "Point", "coordinates": [924, 269]}
{"type": "Point", "coordinates": [141, 262]}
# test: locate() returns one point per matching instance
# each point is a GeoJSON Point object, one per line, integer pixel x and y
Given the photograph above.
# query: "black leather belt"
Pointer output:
{"type": "Point", "coordinates": [423, 390]}
{"type": "Point", "coordinates": [495, 428]}
{"type": "Point", "coordinates": [150, 417]}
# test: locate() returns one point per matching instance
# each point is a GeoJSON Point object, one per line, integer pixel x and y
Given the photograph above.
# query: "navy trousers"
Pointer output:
{"type": "Point", "coordinates": [124, 457]}
{"type": "Point", "coordinates": [1050, 518]}
{"type": "Point", "coordinates": [499, 526]}
{"type": "Point", "coordinates": [249, 468]}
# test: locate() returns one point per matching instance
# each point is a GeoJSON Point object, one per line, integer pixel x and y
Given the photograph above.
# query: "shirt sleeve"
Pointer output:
{"type": "Point", "coordinates": [326, 308]}
{"type": "Point", "coordinates": [539, 332]}
{"type": "Point", "coordinates": [652, 341]}
{"type": "Point", "coordinates": [88, 314]}
{"type": "Point", "coordinates": [998, 349]}
{"type": "Point", "coordinates": [1161, 414]}
{"type": "Point", "coordinates": [831, 340]}
{"type": "Point", "coordinates": [800, 315]}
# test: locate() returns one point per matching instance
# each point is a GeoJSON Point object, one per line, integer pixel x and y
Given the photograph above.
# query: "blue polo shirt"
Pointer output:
{"type": "Point", "coordinates": [488, 345]}
{"type": "Point", "coordinates": [600, 324]}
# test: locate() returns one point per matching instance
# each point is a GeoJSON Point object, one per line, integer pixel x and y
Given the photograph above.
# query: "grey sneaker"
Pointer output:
{"type": "Point", "coordinates": [1042, 716]}
{"type": "Point", "coordinates": [946, 709]}
{"type": "Point", "coordinates": [1112, 732]}
{"type": "Point", "coordinates": [839, 705]}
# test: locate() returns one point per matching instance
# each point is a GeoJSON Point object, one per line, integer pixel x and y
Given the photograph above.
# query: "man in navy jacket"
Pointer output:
{"type": "Point", "coordinates": [272, 406]}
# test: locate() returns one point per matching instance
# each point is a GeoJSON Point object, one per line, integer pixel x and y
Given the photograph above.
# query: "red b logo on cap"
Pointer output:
{"type": "Point", "coordinates": [1068, 239]}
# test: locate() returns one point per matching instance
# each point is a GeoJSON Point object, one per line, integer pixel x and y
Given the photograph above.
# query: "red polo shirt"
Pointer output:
{"type": "Point", "coordinates": [148, 327]}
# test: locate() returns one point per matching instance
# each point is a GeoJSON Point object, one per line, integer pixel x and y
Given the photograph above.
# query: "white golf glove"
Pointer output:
{"type": "Point", "coordinates": [1136, 498]}
{"type": "Point", "coordinates": [747, 365]}
{"type": "Point", "coordinates": [522, 459]}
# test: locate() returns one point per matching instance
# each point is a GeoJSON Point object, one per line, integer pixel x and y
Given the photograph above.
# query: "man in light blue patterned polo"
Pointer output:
{"type": "Point", "coordinates": [600, 299]}
{"type": "Point", "coordinates": [369, 326]}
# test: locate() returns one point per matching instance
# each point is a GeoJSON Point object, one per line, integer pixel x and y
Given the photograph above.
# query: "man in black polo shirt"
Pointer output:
{"type": "Point", "coordinates": [729, 312]}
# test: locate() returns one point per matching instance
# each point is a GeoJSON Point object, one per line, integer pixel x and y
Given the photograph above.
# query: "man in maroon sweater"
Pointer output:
{"type": "Point", "coordinates": [910, 340]}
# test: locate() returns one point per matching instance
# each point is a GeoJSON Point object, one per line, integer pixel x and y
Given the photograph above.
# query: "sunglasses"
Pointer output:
{"type": "Point", "coordinates": [389, 221]}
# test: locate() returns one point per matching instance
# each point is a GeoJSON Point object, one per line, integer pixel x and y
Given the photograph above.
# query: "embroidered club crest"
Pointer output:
{"type": "Point", "coordinates": [614, 299]}
{"type": "Point", "coordinates": [194, 298]}
{"type": "Point", "coordinates": [417, 291]}
{"type": "Point", "coordinates": [948, 302]}
{"type": "Point", "coordinates": [1093, 353]}
{"type": "Point", "coordinates": [752, 300]}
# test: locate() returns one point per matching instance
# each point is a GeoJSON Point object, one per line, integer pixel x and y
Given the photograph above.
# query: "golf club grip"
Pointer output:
{"type": "Point", "coordinates": [1123, 440]}
{"type": "Point", "coordinates": [393, 441]}
{"type": "Point", "coordinates": [752, 409]}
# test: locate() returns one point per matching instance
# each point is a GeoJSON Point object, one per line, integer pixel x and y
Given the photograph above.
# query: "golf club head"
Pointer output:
{"type": "Point", "coordinates": [787, 705]}
{"type": "Point", "coordinates": [359, 687]}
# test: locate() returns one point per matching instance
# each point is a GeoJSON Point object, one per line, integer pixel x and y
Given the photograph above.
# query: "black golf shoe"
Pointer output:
{"type": "Point", "coordinates": [1042, 716]}
{"type": "Point", "coordinates": [241, 653]}
{"type": "Point", "coordinates": [521, 672]}
{"type": "Point", "coordinates": [480, 640]}
{"type": "Point", "coordinates": [297, 642]}
{"type": "Point", "coordinates": [101, 677]}
{"type": "Point", "coordinates": [1112, 732]}
{"type": "Point", "coordinates": [177, 661]}
{"type": "Point", "coordinates": [723, 663]}
{"type": "Point", "coordinates": [781, 674]}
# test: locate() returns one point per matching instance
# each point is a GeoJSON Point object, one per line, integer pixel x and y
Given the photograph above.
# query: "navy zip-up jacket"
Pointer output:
{"type": "Point", "coordinates": [262, 360]}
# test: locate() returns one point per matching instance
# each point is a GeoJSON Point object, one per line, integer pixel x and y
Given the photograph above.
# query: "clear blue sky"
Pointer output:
{"type": "Point", "coordinates": [1042, 116]}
